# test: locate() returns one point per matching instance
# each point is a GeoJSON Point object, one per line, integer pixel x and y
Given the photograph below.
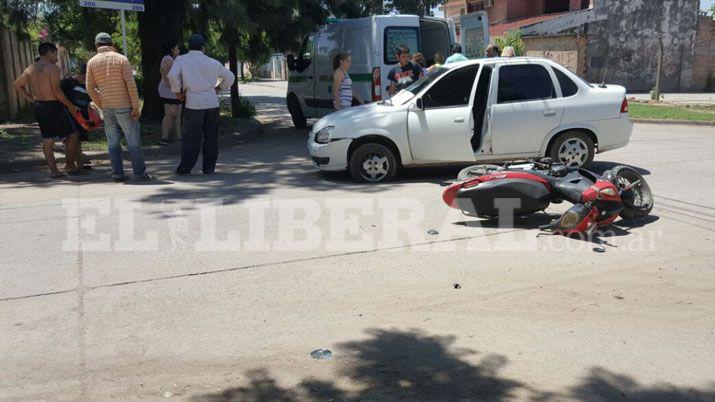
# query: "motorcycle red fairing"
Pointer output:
{"type": "Point", "coordinates": [597, 201]}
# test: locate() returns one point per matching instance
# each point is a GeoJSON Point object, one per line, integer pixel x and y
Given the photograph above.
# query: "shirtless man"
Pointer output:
{"type": "Point", "coordinates": [55, 122]}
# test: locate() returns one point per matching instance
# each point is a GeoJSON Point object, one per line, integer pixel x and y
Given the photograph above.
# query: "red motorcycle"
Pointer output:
{"type": "Point", "coordinates": [532, 187]}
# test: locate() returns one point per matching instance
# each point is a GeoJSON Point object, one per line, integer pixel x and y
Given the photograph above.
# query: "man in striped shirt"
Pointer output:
{"type": "Point", "coordinates": [111, 85]}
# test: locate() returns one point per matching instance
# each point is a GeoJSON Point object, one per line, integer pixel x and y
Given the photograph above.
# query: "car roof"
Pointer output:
{"type": "Point", "coordinates": [502, 60]}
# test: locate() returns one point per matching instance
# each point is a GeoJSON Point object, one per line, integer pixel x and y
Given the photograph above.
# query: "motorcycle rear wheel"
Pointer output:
{"type": "Point", "coordinates": [640, 203]}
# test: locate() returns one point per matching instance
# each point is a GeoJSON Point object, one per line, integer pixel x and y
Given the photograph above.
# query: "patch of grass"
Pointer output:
{"type": "Point", "coordinates": [648, 111]}
{"type": "Point", "coordinates": [150, 134]}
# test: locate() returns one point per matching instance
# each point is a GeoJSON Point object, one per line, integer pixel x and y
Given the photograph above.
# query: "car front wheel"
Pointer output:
{"type": "Point", "coordinates": [574, 149]}
{"type": "Point", "coordinates": [373, 163]}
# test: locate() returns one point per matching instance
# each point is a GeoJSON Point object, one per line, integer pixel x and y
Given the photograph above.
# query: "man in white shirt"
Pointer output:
{"type": "Point", "coordinates": [198, 78]}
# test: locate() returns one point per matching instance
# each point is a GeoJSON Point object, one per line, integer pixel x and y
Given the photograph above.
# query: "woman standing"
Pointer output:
{"type": "Point", "coordinates": [418, 59]}
{"type": "Point", "coordinates": [172, 105]}
{"type": "Point", "coordinates": [508, 52]}
{"type": "Point", "coordinates": [343, 93]}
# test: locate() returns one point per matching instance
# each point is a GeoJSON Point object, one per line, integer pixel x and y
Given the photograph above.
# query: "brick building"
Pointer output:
{"type": "Point", "coordinates": [613, 40]}
{"type": "Point", "coordinates": [618, 42]}
{"type": "Point", "coordinates": [504, 11]}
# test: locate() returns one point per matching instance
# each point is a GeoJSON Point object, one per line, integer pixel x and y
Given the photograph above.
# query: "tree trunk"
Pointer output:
{"type": "Point", "coordinates": [243, 76]}
{"type": "Point", "coordinates": [233, 66]}
{"type": "Point", "coordinates": [161, 22]}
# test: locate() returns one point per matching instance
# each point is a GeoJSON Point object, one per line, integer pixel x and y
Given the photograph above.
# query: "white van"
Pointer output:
{"type": "Point", "coordinates": [371, 42]}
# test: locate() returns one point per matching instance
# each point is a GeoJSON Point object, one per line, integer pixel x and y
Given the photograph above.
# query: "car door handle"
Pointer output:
{"type": "Point", "coordinates": [549, 113]}
{"type": "Point", "coordinates": [459, 119]}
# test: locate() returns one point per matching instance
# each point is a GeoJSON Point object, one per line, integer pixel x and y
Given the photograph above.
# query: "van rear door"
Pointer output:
{"type": "Point", "coordinates": [302, 80]}
{"type": "Point", "coordinates": [474, 34]}
{"type": "Point", "coordinates": [435, 37]}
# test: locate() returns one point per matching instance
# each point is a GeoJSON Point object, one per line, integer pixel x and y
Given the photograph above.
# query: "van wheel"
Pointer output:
{"type": "Point", "coordinates": [296, 113]}
{"type": "Point", "coordinates": [373, 163]}
{"type": "Point", "coordinates": [574, 149]}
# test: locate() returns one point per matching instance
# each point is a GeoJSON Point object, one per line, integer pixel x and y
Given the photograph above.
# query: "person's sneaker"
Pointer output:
{"type": "Point", "coordinates": [182, 172]}
{"type": "Point", "coordinates": [163, 142]}
{"type": "Point", "coordinates": [145, 177]}
{"type": "Point", "coordinates": [120, 177]}
{"type": "Point", "coordinates": [209, 172]}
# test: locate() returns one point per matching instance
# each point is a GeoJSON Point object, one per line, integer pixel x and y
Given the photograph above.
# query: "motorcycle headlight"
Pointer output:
{"type": "Point", "coordinates": [569, 220]}
{"type": "Point", "coordinates": [323, 136]}
{"type": "Point", "coordinates": [608, 192]}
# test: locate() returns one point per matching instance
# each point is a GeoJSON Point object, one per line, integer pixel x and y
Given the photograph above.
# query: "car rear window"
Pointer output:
{"type": "Point", "coordinates": [568, 87]}
{"type": "Point", "coordinates": [521, 83]}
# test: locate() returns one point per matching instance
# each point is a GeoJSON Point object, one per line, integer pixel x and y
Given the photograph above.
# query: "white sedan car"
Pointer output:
{"type": "Point", "coordinates": [479, 110]}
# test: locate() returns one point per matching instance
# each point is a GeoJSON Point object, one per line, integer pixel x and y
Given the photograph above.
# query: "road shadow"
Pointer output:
{"type": "Point", "coordinates": [390, 365]}
{"type": "Point", "coordinates": [601, 166]}
{"type": "Point", "coordinates": [411, 365]}
{"type": "Point", "coordinates": [602, 385]}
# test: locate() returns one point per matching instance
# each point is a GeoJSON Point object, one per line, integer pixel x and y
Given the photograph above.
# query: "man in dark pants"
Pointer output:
{"type": "Point", "coordinates": [194, 77]}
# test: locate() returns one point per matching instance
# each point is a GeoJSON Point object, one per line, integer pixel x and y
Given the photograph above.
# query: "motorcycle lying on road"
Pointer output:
{"type": "Point", "coordinates": [598, 200]}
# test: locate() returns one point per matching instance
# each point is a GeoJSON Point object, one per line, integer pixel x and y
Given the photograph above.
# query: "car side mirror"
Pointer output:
{"type": "Point", "coordinates": [419, 104]}
{"type": "Point", "coordinates": [290, 60]}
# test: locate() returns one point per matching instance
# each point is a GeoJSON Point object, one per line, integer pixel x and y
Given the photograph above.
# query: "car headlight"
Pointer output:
{"type": "Point", "coordinates": [323, 136]}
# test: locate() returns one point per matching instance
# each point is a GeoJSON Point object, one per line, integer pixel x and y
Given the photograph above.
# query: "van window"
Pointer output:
{"type": "Point", "coordinates": [395, 36]}
{"type": "Point", "coordinates": [521, 83]}
{"type": "Point", "coordinates": [453, 90]}
{"type": "Point", "coordinates": [568, 87]}
{"type": "Point", "coordinates": [354, 43]}
{"type": "Point", "coordinates": [308, 48]}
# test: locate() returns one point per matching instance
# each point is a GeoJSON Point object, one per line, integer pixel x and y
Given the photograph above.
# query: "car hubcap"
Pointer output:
{"type": "Point", "coordinates": [573, 153]}
{"type": "Point", "coordinates": [375, 167]}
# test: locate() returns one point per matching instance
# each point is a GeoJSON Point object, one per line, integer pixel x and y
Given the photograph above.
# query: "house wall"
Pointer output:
{"type": "Point", "coordinates": [623, 44]}
{"type": "Point", "coordinates": [704, 55]}
{"type": "Point", "coordinates": [567, 50]}
{"type": "Point", "coordinates": [518, 9]}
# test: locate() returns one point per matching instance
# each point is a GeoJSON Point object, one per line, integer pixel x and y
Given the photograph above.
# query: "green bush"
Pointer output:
{"type": "Point", "coordinates": [246, 109]}
{"type": "Point", "coordinates": [513, 39]}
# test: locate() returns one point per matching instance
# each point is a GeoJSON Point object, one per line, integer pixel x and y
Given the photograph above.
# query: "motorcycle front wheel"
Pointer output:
{"type": "Point", "coordinates": [476, 171]}
{"type": "Point", "coordinates": [638, 201]}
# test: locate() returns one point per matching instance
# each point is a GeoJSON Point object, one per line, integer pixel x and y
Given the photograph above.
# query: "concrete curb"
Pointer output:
{"type": "Point", "coordinates": [250, 129]}
{"type": "Point", "coordinates": [675, 122]}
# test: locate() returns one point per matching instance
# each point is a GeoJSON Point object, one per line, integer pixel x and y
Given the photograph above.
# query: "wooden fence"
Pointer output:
{"type": "Point", "coordinates": [15, 55]}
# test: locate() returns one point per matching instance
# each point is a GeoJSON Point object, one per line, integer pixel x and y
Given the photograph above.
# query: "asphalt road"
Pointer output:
{"type": "Point", "coordinates": [218, 288]}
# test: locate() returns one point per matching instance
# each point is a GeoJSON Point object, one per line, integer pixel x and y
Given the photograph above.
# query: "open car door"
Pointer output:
{"type": "Point", "coordinates": [474, 34]}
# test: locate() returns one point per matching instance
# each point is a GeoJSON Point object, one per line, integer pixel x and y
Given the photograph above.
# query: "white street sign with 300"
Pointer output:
{"type": "Point", "coordinates": [129, 5]}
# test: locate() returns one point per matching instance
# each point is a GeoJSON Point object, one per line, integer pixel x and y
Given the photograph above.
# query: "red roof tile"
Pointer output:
{"type": "Point", "coordinates": [501, 29]}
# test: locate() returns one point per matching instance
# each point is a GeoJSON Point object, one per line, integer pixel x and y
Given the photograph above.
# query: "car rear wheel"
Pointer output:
{"type": "Point", "coordinates": [296, 113]}
{"type": "Point", "coordinates": [574, 149]}
{"type": "Point", "coordinates": [373, 163]}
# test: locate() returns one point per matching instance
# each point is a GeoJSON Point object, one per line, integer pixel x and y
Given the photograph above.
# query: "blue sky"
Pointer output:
{"type": "Point", "coordinates": [705, 4]}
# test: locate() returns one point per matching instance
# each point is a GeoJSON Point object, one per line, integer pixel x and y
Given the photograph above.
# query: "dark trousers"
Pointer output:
{"type": "Point", "coordinates": [199, 125]}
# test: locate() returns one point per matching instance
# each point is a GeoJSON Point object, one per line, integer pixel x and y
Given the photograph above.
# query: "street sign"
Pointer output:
{"type": "Point", "coordinates": [121, 5]}
{"type": "Point", "coordinates": [128, 5]}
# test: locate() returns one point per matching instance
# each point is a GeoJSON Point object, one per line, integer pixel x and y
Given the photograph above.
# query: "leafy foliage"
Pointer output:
{"type": "Point", "coordinates": [513, 39]}
{"type": "Point", "coordinates": [419, 7]}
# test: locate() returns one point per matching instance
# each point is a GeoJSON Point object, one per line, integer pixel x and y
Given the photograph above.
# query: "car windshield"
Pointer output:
{"type": "Point", "coordinates": [408, 93]}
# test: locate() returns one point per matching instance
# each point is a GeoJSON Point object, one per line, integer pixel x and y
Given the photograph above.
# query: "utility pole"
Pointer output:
{"type": "Point", "coordinates": [659, 68]}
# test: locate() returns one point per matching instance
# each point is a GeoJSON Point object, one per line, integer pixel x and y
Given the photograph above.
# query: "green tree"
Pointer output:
{"type": "Point", "coordinates": [513, 39]}
{"type": "Point", "coordinates": [418, 7]}
{"type": "Point", "coordinates": [162, 22]}
{"type": "Point", "coordinates": [356, 8]}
